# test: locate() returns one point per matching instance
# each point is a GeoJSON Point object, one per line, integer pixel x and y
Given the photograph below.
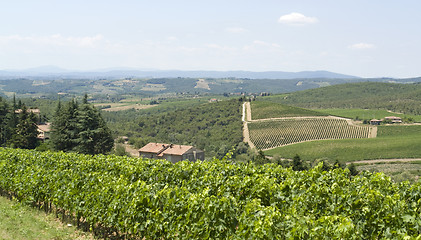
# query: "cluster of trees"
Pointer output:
{"type": "Point", "coordinates": [241, 154]}
{"type": "Point", "coordinates": [80, 128]}
{"type": "Point", "coordinates": [403, 98]}
{"type": "Point", "coordinates": [212, 127]}
{"type": "Point", "coordinates": [18, 125]}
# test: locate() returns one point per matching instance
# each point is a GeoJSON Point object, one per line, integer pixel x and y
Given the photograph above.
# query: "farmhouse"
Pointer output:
{"type": "Point", "coordinates": [35, 111]}
{"type": "Point", "coordinates": [44, 131]}
{"type": "Point", "coordinates": [375, 122]}
{"type": "Point", "coordinates": [393, 119]}
{"type": "Point", "coordinates": [171, 152]}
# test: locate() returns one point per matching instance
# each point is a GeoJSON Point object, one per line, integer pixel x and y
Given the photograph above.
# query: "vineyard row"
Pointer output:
{"type": "Point", "coordinates": [276, 133]}
{"type": "Point", "coordinates": [155, 199]}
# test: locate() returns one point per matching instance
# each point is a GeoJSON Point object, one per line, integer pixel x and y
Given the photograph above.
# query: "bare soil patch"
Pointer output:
{"type": "Point", "coordinates": [127, 107]}
{"type": "Point", "coordinates": [202, 83]}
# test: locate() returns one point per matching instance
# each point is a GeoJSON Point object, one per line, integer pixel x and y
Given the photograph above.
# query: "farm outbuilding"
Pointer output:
{"type": "Point", "coordinates": [44, 131]}
{"type": "Point", "coordinates": [375, 121]}
{"type": "Point", "coordinates": [171, 152]}
{"type": "Point", "coordinates": [393, 119]}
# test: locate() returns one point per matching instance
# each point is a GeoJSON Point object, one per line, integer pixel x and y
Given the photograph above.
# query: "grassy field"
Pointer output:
{"type": "Point", "coordinates": [18, 222]}
{"type": "Point", "coordinates": [391, 142]}
{"type": "Point", "coordinates": [266, 109]}
{"type": "Point", "coordinates": [356, 113]}
{"type": "Point", "coordinates": [397, 171]}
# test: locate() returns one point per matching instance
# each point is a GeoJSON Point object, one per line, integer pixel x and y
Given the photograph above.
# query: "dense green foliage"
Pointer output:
{"type": "Point", "coordinates": [80, 128]}
{"type": "Point", "coordinates": [391, 142]}
{"type": "Point", "coordinates": [213, 127]}
{"type": "Point", "coordinates": [405, 98]}
{"type": "Point", "coordinates": [265, 109]}
{"type": "Point", "coordinates": [17, 125]}
{"type": "Point", "coordinates": [115, 87]}
{"type": "Point", "coordinates": [154, 199]}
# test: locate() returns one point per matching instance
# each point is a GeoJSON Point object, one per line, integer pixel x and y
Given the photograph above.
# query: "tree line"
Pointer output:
{"type": "Point", "coordinates": [396, 97]}
{"type": "Point", "coordinates": [18, 125]}
{"type": "Point", "coordinates": [75, 127]}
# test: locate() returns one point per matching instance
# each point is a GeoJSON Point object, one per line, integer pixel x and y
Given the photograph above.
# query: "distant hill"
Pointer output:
{"type": "Point", "coordinates": [53, 71]}
{"type": "Point", "coordinates": [44, 84]}
{"type": "Point", "coordinates": [405, 98]}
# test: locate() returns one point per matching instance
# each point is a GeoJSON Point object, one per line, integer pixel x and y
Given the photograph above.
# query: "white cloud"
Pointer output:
{"type": "Point", "coordinates": [360, 46]}
{"type": "Point", "coordinates": [236, 30]}
{"type": "Point", "coordinates": [297, 19]}
{"type": "Point", "coordinates": [172, 38]}
{"type": "Point", "coordinates": [56, 39]}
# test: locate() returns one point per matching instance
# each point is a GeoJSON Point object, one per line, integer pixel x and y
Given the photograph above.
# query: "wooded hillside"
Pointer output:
{"type": "Point", "coordinates": [405, 98]}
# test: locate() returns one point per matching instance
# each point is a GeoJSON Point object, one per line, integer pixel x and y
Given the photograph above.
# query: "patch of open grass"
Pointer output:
{"type": "Point", "coordinates": [368, 114]}
{"type": "Point", "coordinates": [392, 142]}
{"type": "Point", "coordinates": [22, 222]}
{"type": "Point", "coordinates": [266, 109]}
{"type": "Point", "coordinates": [397, 171]}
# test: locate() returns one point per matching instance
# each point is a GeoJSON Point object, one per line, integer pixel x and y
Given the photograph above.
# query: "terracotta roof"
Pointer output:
{"type": "Point", "coordinates": [176, 150]}
{"type": "Point", "coordinates": [160, 149]}
{"type": "Point", "coordinates": [152, 147]}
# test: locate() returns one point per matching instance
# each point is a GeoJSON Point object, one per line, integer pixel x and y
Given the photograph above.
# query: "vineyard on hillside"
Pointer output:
{"type": "Point", "coordinates": [275, 133]}
{"type": "Point", "coordinates": [131, 198]}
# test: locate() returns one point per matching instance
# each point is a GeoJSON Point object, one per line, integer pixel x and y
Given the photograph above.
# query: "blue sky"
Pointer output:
{"type": "Point", "coordinates": [363, 38]}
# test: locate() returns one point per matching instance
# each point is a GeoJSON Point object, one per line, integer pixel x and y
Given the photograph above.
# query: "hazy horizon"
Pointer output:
{"type": "Point", "coordinates": [359, 38]}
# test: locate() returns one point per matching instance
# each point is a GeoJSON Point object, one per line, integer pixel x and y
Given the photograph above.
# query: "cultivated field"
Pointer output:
{"type": "Point", "coordinates": [275, 133]}
{"type": "Point", "coordinates": [391, 142]}
{"type": "Point", "coordinates": [266, 109]}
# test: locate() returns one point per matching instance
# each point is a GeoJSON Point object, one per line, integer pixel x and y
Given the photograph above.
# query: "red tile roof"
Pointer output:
{"type": "Point", "coordinates": [160, 149]}
{"type": "Point", "coordinates": [152, 147]}
{"type": "Point", "coordinates": [177, 149]}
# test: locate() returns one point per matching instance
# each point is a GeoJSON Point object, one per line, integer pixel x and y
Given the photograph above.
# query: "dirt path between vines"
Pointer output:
{"type": "Point", "coordinates": [248, 112]}
{"type": "Point", "coordinates": [246, 118]}
{"type": "Point", "coordinates": [387, 160]}
{"type": "Point", "coordinates": [129, 149]}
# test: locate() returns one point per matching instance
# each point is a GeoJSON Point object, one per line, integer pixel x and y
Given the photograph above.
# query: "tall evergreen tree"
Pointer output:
{"type": "Point", "coordinates": [4, 114]}
{"type": "Point", "coordinates": [65, 127]}
{"type": "Point", "coordinates": [94, 135]}
{"type": "Point", "coordinates": [26, 131]}
{"type": "Point", "coordinates": [80, 128]}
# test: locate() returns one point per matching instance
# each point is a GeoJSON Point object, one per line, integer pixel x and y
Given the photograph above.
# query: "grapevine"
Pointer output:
{"type": "Point", "coordinates": [155, 199]}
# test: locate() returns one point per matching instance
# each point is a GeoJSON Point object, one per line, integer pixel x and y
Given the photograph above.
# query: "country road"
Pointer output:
{"type": "Point", "coordinates": [246, 115]}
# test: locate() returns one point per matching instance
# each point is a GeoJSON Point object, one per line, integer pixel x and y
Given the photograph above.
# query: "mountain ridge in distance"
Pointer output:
{"type": "Point", "coordinates": [54, 71]}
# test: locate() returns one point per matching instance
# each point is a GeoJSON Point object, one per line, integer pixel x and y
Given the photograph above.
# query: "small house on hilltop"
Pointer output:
{"type": "Point", "coordinates": [375, 122]}
{"type": "Point", "coordinates": [393, 119]}
{"type": "Point", "coordinates": [171, 152]}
